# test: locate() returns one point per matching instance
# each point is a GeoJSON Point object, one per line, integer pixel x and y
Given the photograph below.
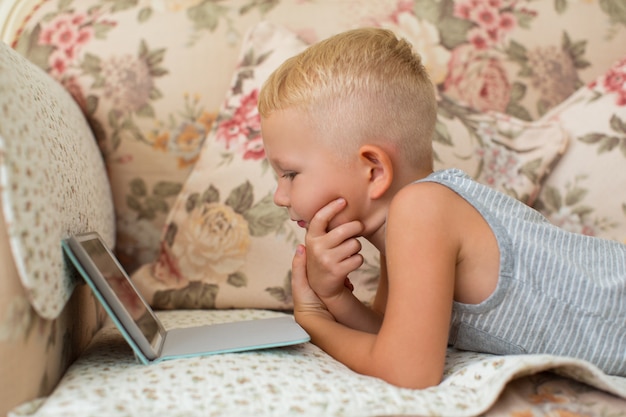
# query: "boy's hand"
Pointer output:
{"type": "Point", "coordinates": [332, 255]}
{"type": "Point", "coordinates": [305, 302]}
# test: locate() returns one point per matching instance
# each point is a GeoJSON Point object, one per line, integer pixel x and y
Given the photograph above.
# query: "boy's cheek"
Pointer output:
{"type": "Point", "coordinates": [337, 221]}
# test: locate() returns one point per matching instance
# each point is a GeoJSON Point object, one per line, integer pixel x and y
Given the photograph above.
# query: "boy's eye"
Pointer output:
{"type": "Point", "coordinates": [289, 175]}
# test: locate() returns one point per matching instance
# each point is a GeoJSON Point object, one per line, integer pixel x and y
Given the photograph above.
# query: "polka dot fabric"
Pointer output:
{"type": "Point", "coordinates": [52, 179]}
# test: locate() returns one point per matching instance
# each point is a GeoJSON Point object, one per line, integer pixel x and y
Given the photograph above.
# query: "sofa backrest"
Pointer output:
{"type": "Point", "coordinates": [150, 77]}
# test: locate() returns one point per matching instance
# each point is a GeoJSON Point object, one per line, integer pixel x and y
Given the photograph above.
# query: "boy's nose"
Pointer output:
{"type": "Point", "coordinates": [281, 198]}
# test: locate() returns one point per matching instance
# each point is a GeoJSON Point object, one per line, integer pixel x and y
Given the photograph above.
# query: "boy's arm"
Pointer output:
{"type": "Point", "coordinates": [350, 311]}
{"type": "Point", "coordinates": [409, 350]}
{"type": "Point", "coordinates": [380, 301]}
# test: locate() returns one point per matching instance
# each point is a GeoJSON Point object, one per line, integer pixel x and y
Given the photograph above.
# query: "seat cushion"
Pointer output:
{"type": "Point", "coordinates": [302, 380]}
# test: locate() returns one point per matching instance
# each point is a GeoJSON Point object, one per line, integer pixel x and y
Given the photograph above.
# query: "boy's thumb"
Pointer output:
{"type": "Point", "coordinates": [298, 265]}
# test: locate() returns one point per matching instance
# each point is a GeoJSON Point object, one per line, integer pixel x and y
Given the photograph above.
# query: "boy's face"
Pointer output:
{"type": "Point", "coordinates": [310, 175]}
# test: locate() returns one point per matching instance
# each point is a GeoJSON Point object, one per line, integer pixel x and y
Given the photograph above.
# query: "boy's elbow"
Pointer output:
{"type": "Point", "coordinates": [408, 377]}
{"type": "Point", "coordinates": [416, 380]}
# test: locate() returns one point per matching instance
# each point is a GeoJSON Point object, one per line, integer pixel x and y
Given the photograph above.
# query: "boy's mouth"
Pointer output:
{"type": "Point", "coordinates": [302, 224]}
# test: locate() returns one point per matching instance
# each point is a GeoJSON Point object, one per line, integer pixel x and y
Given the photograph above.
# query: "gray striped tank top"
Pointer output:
{"type": "Point", "coordinates": [558, 293]}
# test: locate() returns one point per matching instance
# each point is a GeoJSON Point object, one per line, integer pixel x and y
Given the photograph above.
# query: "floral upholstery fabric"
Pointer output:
{"type": "Point", "coordinates": [303, 381]}
{"type": "Point", "coordinates": [575, 196]}
{"type": "Point", "coordinates": [226, 244]}
{"type": "Point", "coordinates": [151, 99]}
{"type": "Point", "coordinates": [52, 179]}
{"type": "Point", "coordinates": [508, 154]}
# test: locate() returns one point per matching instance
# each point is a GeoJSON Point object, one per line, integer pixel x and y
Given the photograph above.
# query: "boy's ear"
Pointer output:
{"type": "Point", "coordinates": [379, 169]}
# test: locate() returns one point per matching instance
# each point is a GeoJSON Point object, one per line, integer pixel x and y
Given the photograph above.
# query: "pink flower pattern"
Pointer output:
{"type": "Point", "coordinates": [68, 33]}
{"type": "Point", "coordinates": [242, 131]}
{"type": "Point", "coordinates": [480, 82]}
{"type": "Point", "coordinates": [501, 166]}
{"type": "Point", "coordinates": [614, 81]}
{"type": "Point", "coordinates": [476, 74]}
{"type": "Point", "coordinates": [494, 20]}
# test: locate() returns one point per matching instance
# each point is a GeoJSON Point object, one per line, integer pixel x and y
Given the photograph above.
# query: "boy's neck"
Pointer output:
{"type": "Point", "coordinates": [401, 180]}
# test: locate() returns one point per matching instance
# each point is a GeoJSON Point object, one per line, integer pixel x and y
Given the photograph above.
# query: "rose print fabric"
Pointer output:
{"type": "Point", "coordinates": [227, 244]}
{"type": "Point", "coordinates": [151, 100]}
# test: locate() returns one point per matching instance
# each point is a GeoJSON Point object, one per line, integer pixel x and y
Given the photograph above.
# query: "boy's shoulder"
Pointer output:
{"type": "Point", "coordinates": [426, 197]}
{"type": "Point", "coordinates": [435, 183]}
{"type": "Point", "coordinates": [438, 203]}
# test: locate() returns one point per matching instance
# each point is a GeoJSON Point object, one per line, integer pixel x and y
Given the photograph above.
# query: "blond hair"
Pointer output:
{"type": "Point", "coordinates": [360, 86]}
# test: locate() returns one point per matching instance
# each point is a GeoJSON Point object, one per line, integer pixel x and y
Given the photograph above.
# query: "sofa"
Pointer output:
{"type": "Point", "coordinates": [137, 119]}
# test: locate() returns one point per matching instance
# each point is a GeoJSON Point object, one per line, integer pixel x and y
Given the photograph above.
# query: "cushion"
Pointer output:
{"type": "Point", "coordinates": [302, 380]}
{"type": "Point", "coordinates": [511, 155]}
{"type": "Point", "coordinates": [52, 179]}
{"type": "Point", "coordinates": [227, 245]}
{"type": "Point", "coordinates": [586, 191]}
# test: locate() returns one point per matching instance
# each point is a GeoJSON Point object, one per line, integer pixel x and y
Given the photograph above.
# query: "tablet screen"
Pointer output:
{"type": "Point", "coordinates": [122, 287]}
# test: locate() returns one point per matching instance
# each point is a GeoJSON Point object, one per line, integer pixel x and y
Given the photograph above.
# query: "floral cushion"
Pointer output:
{"type": "Point", "coordinates": [511, 155]}
{"type": "Point", "coordinates": [302, 380]}
{"type": "Point", "coordinates": [586, 193]}
{"type": "Point", "coordinates": [227, 244]}
{"type": "Point", "coordinates": [52, 179]}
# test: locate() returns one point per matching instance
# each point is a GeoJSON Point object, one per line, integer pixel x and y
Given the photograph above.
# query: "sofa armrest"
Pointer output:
{"type": "Point", "coordinates": [36, 352]}
{"type": "Point", "coordinates": [52, 184]}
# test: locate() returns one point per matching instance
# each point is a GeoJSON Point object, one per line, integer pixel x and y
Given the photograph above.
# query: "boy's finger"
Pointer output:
{"type": "Point", "coordinates": [303, 295]}
{"type": "Point", "coordinates": [298, 265]}
{"type": "Point", "coordinates": [322, 218]}
{"type": "Point", "coordinates": [299, 280]}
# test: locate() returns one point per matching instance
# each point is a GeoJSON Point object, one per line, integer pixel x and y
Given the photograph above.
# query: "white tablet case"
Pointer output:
{"type": "Point", "coordinates": [178, 342]}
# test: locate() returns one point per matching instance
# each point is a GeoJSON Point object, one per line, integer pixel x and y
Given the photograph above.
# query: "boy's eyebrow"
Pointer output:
{"type": "Point", "coordinates": [276, 162]}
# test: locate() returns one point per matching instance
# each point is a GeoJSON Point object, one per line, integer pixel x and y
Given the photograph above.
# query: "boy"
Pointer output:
{"type": "Point", "coordinates": [347, 128]}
